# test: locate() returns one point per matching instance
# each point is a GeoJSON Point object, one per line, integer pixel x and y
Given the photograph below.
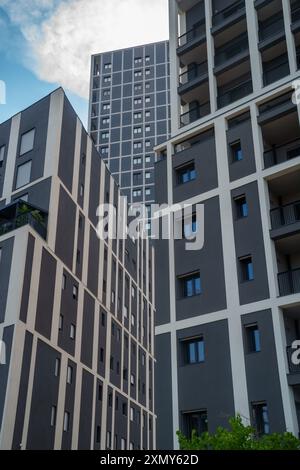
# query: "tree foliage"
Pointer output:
{"type": "Point", "coordinates": [238, 437]}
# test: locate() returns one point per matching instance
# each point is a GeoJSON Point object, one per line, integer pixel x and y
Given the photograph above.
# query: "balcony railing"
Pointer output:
{"type": "Point", "coordinates": [234, 48]}
{"type": "Point", "coordinates": [18, 214]}
{"type": "Point", "coordinates": [198, 31]}
{"type": "Point", "coordinates": [227, 12]}
{"type": "Point", "coordinates": [295, 12]}
{"type": "Point", "coordinates": [289, 282]}
{"type": "Point", "coordinates": [282, 153]}
{"type": "Point", "coordinates": [276, 69]}
{"type": "Point", "coordinates": [195, 71]}
{"type": "Point", "coordinates": [293, 368]}
{"type": "Point", "coordinates": [235, 93]}
{"type": "Point", "coordinates": [194, 114]}
{"type": "Point", "coordinates": [271, 27]}
{"type": "Point", "coordinates": [287, 214]}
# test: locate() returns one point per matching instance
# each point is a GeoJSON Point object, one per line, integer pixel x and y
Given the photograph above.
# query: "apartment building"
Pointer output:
{"type": "Point", "coordinates": [129, 114]}
{"type": "Point", "coordinates": [227, 315]}
{"type": "Point", "coordinates": [76, 312]}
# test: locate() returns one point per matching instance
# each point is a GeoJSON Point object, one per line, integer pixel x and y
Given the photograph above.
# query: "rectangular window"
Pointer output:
{"type": "Point", "coordinates": [66, 421]}
{"type": "Point", "coordinates": [57, 367]}
{"type": "Point", "coordinates": [2, 152]}
{"type": "Point", "coordinates": [112, 296]}
{"type": "Point", "coordinates": [137, 115]}
{"type": "Point", "coordinates": [137, 192]}
{"type": "Point", "coordinates": [186, 173]}
{"type": "Point", "coordinates": [194, 351]}
{"type": "Point", "coordinates": [148, 192]}
{"type": "Point", "coordinates": [137, 145]}
{"type": "Point", "coordinates": [100, 392]}
{"type": "Point", "coordinates": [105, 135]}
{"type": "Point", "coordinates": [137, 130]}
{"type": "Point", "coordinates": [147, 175]}
{"type": "Point", "coordinates": [253, 338]}
{"type": "Point", "coordinates": [107, 79]}
{"type": "Point", "coordinates": [138, 87]}
{"type": "Point", "coordinates": [137, 161]}
{"type": "Point", "coordinates": [190, 226]}
{"type": "Point", "coordinates": [27, 142]}
{"type": "Point", "coordinates": [64, 282]}
{"type": "Point", "coordinates": [61, 322]}
{"type": "Point", "coordinates": [53, 416]}
{"type": "Point", "coordinates": [147, 99]}
{"type": "Point", "coordinates": [147, 143]}
{"type": "Point", "coordinates": [131, 414]}
{"type": "Point", "coordinates": [101, 355]}
{"type": "Point", "coordinates": [23, 174]}
{"type": "Point", "coordinates": [147, 129]}
{"type": "Point", "coordinates": [132, 379]}
{"type": "Point", "coordinates": [241, 207]}
{"type": "Point", "coordinates": [75, 292]}
{"type": "Point", "coordinates": [108, 439]}
{"type": "Point", "coordinates": [147, 114]}
{"type": "Point", "coordinates": [147, 58]}
{"type": "Point", "coordinates": [247, 270]}
{"type": "Point", "coordinates": [69, 375]}
{"type": "Point", "coordinates": [147, 86]}
{"type": "Point", "coordinates": [138, 60]}
{"type": "Point", "coordinates": [107, 66]}
{"type": "Point", "coordinates": [138, 101]}
{"type": "Point", "coordinates": [125, 311]}
{"type": "Point", "coordinates": [104, 150]}
{"type": "Point", "coordinates": [106, 93]}
{"type": "Point", "coordinates": [123, 444]}
{"type": "Point", "coordinates": [236, 152]}
{"type": "Point", "coordinates": [191, 285]}
{"type": "Point", "coordinates": [196, 421]}
{"type": "Point", "coordinates": [98, 434]}
{"type": "Point", "coordinates": [138, 73]}
{"type": "Point", "coordinates": [106, 107]}
{"type": "Point", "coordinates": [148, 159]}
{"type": "Point", "coordinates": [72, 331]}
{"type": "Point", "coordinates": [131, 446]}
{"type": "Point", "coordinates": [132, 319]}
{"type": "Point", "coordinates": [261, 418]}
{"type": "Point", "coordinates": [105, 121]}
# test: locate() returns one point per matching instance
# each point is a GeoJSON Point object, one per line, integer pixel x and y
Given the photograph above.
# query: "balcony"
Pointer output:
{"type": "Point", "coordinates": [21, 213]}
{"type": "Point", "coordinates": [276, 69]}
{"type": "Point", "coordinates": [289, 282]}
{"type": "Point", "coordinates": [271, 31]}
{"type": "Point", "coordinates": [285, 220]}
{"type": "Point", "coordinates": [195, 113]}
{"type": "Point", "coordinates": [295, 14]}
{"type": "Point", "coordinates": [229, 15]}
{"type": "Point", "coordinates": [235, 93]}
{"type": "Point", "coordinates": [282, 153]}
{"type": "Point", "coordinates": [192, 38]}
{"type": "Point", "coordinates": [193, 77]}
{"type": "Point", "coordinates": [237, 49]}
{"type": "Point", "coordinates": [293, 368]}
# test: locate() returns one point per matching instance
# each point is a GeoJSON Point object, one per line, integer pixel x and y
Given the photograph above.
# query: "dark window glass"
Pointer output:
{"type": "Point", "coordinates": [261, 418]}
{"type": "Point", "coordinates": [195, 352]}
{"type": "Point", "coordinates": [196, 421]}
{"type": "Point", "coordinates": [241, 207]}
{"type": "Point", "coordinates": [236, 152]}
{"type": "Point", "coordinates": [253, 338]}
{"type": "Point", "coordinates": [247, 269]}
{"type": "Point", "coordinates": [186, 174]}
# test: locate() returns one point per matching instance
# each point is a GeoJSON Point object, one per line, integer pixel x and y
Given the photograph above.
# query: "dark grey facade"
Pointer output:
{"type": "Point", "coordinates": [130, 113]}
{"type": "Point", "coordinates": [76, 320]}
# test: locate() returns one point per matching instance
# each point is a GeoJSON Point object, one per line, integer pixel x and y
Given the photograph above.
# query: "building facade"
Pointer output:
{"type": "Point", "coordinates": [129, 114]}
{"type": "Point", "coordinates": [76, 312]}
{"type": "Point", "coordinates": [227, 315]}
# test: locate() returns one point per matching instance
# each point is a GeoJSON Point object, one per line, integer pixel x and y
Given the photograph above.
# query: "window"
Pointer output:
{"type": "Point", "coordinates": [107, 66]}
{"type": "Point", "coordinates": [106, 93]}
{"type": "Point", "coordinates": [105, 121]}
{"type": "Point", "coordinates": [64, 282]}
{"type": "Point", "coordinates": [2, 152]}
{"type": "Point", "coordinates": [132, 319]}
{"type": "Point", "coordinates": [101, 355]}
{"type": "Point", "coordinates": [236, 152]}
{"type": "Point", "coordinates": [125, 376]}
{"type": "Point", "coordinates": [61, 322]}
{"type": "Point", "coordinates": [137, 160]}
{"type": "Point", "coordinates": [132, 292]}
{"type": "Point", "coordinates": [132, 379]}
{"type": "Point", "coordinates": [125, 311]}
{"type": "Point", "coordinates": [131, 446]}
{"type": "Point", "coordinates": [147, 159]}
{"type": "Point", "coordinates": [148, 192]}
{"type": "Point", "coordinates": [138, 101]}
{"type": "Point", "coordinates": [106, 107]}
{"type": "Point", "coordinates": [147, 99]}
{"type": "Point", "coordinates": [186, 173]}
{"type": "Point", "coordinates": [107, 79]}
{"type": "Point", "coordinates": [241, 207]}
{"type": "Point", "coordinates": [57, 367]}
{"type": "Point", "coordinates": [138, 60]}
{"type": "Point", "coordinates": [100, 392]}
{"type": "Point", "coordinates": [261, 418]}
{"type": "Point", "coordinates": [108, 439]}
{"type": "Point", "coordinates": [138, 73]}
{"type": "Point", "coordinates": [72, 331]}
{"type": "Point", "coordinates": [104, 150]}
{"type": "Point", "coordinates": [137, 115]}
{"type": "Point", "coordinates": [190, 226]}
{"type": "Point", "coordinates": [247, 270]}
{"type": "Point", "coordinates": [123, 444]}
{"type": "Point", "coordinates": [111, 363]}
{"type": "Point", "coordinates": [132, 414]}
{"type": "Point", "coordinates": [147, 72]}
{"type": "Point", "coordinates": [137, 130]}
{"type": "Point", "coordinates": [147, 86]}
{"type": "Point", "coordinates": [143, 359]}
{"type": "Point", "coordinates": [138, 87]}
{"type": "Point", "coordinates": [98, 434]}
{"type": "Point", "coordinates": [147, 114]}
{"type": "Point", "coordinates": [113, 295]}
{"type": "Point", "coordinates": [23, 174]}
{"type": "Point", "coordinates": [103, 318]}
{"type": "Point", "coordinates": [253, 338]}
{"type": "Point", "coordinates": [194, 351]}
{"type": "Point", "coordinates": [147, 58]}
{"type": "Point", "coordinates": [27, 141]}
{"type": "Point", "coordinates": [110, 400]}
{"type": "Point", "coordinates": [147, 143]}
{"type": "Point", "coordinates": [196, 421]}
{"type": "Point", "coordinates": [147, 175]}
{"type": "Point", "coordinates": [70, 375]}
{"type": "Point", "coordinates": [105, 135]}
{"type": "Point", "coordinates": [137, 192]}
{"type": "Point", "coordinates": [75, 292]}
{"type": "Point", "coordinates": [81, 192]}
{"type": "Point", "coordinates": [66, 421]}
{"type": "Point", "coordinates": [192, 285]}
{"type": "Point", "coordinates": [147, 129]}
{"type": "Point", "coordinates": [53, 417]}
{"type": "Point", "coordinates": [137, 145]}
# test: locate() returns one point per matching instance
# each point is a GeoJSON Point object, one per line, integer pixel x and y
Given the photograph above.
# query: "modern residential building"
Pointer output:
{"type": "Point", "coordinates": [76, 312]}
{"type": "Point", "coordinates": [227, 315]}
{"type": "Point", "coordinates": [129, 113]}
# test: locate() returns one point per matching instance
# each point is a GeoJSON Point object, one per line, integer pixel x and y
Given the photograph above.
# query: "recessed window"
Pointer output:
{"type": "Point", "coordinates": [138, 87]}
{"type": "Point", "coordinates": [132, 319]}
{"type": "Point", "coordinates": [138, 101]}
{"type": "Point", "coordinates": [137, 115]}
{"type": "Point", "coordinates": [66, 421]}
{"type": "Point", "coordinates": [61, 322]}
{"type": "Point", "coordinates": [247, 270]}
{"type": "Point", "coordinates": [125, 311]}
{"type": "Point", "coordinates": [137, 130]}
{"type": "Point", "coordinates": [81, 191]}
{"type": "Point", "coordinates": [191, 285]}
{"type": "Point", "coordinates": [137, 145]}
{"type": "Point", "coordinates": [147, 175]}
{"type": "Point", "coordinates": [125, 377]}
{"type": "Point", "coordinates": [100, 392]}
{"type": "Point", "coordinates": [138, 73]}
{"type": "Point", "coordinates": [75, 292]}
{"type": "Point", "coordinates": [194, 351]}
{"type": "Point", "coordinates": [123, 444]}
{"type": "Point", "coordinates": [137, 192]}
{"type": "Point", "coordinates": [147, 99]}
{"type": "Point", "coordinates": [147, 86]}
{"type": "Point", "coordinates": [101, 355]}
{"type": "Point", "coordinates": [70, 375]}
{"type": "Point", "coordinates": [98, 434]}
{"type": "Point", "coordinates": [103, 319]}
{"type": "Point", "coordinates": [241, 207]}
{"type": "Point", "coordinates": [236, 152]}
{"type": "Point", "coordinates": [147, 128]}
{"type": "Point", "coordinates": [105, 121]}
{"type": "Point", "coordinates": [147, 72]}
{"type": "Point", "coordinates": [148, 192]}
{"type": "Point", "coordinates": [253, 338]}
{"type": "Point", "coordinates": [110, 400]}
{"type": "Point", "coordinates": [53, 417]}
{"type": "Point", "coordinates": [106, 93]}
{"type": "Point", "coordinates": [105, 135]}
{"type": "Point", "coordinates": [111, 363]}
{"type": "Point", "coordinates": [104, 150]}
{"type": "Point", "coordinates": [57, 367]}
{"type": "Point", "coordinates": [261, 418]}
{"type": "Point", "coordinates": [138, 60]}
{"type": "Point", "coordinates": [106, 107]}
{"type": "Point", "coordinates": [195, 421]}
{"type": "Point", "coordinates": [113, 296]}
{"type": "Point", "coordinates": [190, 226]}
{"type": "Point", "coordinates": [27, 141]}
{"type": "Point", "coordinates": [147, 58]}
{"type": "Point", "coordinates": [2, 152]}
{"type": "Point", "coordinates": [186, 173]}
{"type": "Point", "coordinates": [64, 282]}
{"type": "Point", "coordinates": [137, 161]}
{"type": "Point", "coordinates": [132, 379]}
{"type": "Point", "coordinates": [108, 439]}
{"type": "Point", "coordinates": [107, 66]}
{"type": "Point", "coordinates": [131, 446]}
{"type": "Point", "coordinates": [107, 79]}
{"type": "Point", "coordinates": [72, 331]}
{"type": "Point", "coordinates": [147, 143]}
{"type": "Point", "coordinates": [148, 159]}
{"type": "Point", "coordinates": [23, 174]}
{"type": "Point", "coordinates": [132, 414]}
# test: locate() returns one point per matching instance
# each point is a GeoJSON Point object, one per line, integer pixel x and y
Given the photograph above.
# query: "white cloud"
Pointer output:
{"type": "Point", "coordinates": [61, 37]}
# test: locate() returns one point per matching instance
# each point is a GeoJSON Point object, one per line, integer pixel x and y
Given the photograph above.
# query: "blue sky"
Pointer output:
{"type": "Point", "coordinates": [45, 44]}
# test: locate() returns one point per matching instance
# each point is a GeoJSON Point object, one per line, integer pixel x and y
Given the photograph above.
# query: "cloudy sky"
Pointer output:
{"type": "Point", "coordinates": [47, 43]}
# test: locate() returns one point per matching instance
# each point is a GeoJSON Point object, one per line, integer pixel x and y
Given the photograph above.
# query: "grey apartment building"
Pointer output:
{"type": "Point", "coordinates": [129, 114]}
{"type": "Point", "coordinates": [76, 312]}
{"type": "Point", "coordinates": [227, 315]}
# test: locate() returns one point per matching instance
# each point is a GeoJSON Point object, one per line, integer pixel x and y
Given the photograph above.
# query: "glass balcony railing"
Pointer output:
{"type": "Point", "coordinates": [235, 93]}
{"type": "Point", "coordinates": [221, 16]}
{"type": "Point", "coordinates": [198, 31]}
{"type": "Point", "coordinates": [239, 45]}
{"type": "Point", "coordinates": [287, 214]}
{"type": "Point", "coordinates": [293, 368]}
{"type": "Point", "coordinates": [195, 71]}
{"type": "Point", "coordinates": [289, 282]}
{"type": "Point", "coordinates": [282, 153]}
{"type": "Point", "coordinates": [271, 27]}
{"type": "Point", "coordinates": [195, 113]}
{"type": "Point", "coordinates": [21, 213]}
